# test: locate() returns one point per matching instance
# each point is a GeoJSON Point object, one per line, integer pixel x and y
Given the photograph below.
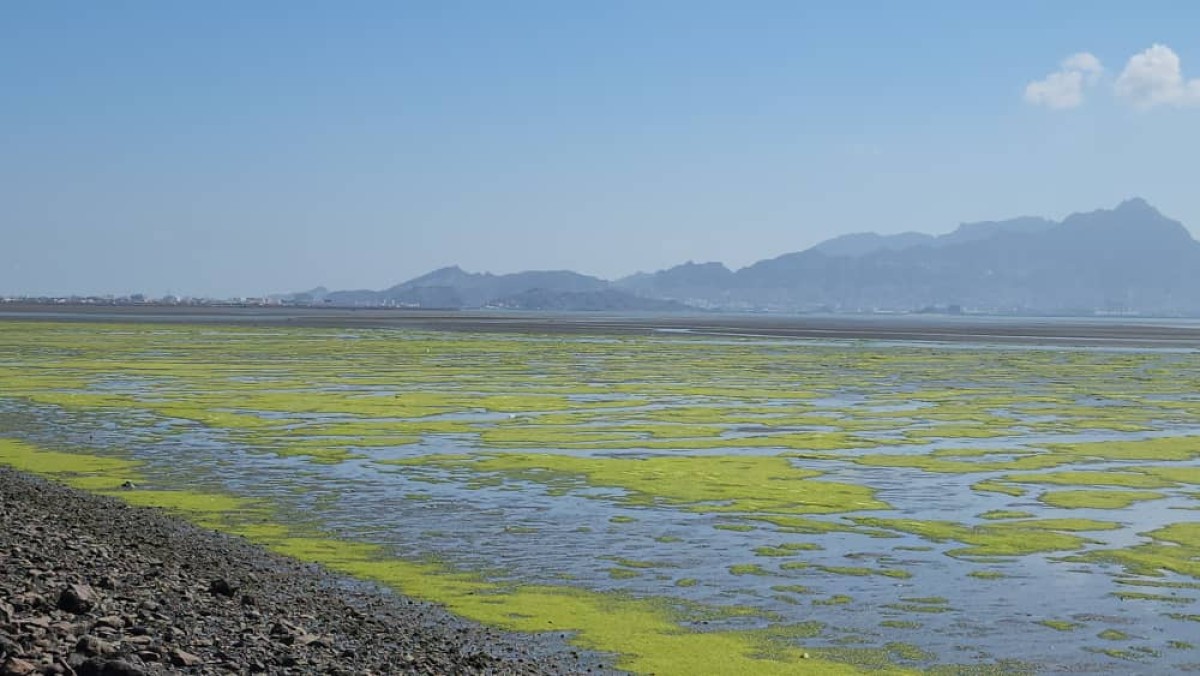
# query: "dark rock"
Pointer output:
{"type": "Point", "coordinates": [87, 667]}
{"type": "Point", "coordinates": [111, 621]}
{"type": "Point", "coordinates": [78, 599]}
{"type": "Point", "coordinates": [9, 647]}
{"type": "Point", "coordinates": [221, 587]}
{"type": "Point", "coordinates": [92, 646]}
{"type": "Point", "coordinates": [181, 658]}
{"type": "Point", "coordinates": [122, 668]}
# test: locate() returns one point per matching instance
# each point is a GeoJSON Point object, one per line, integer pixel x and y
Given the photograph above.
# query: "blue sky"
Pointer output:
{"type": "Point", "coordinates": [237, 148]}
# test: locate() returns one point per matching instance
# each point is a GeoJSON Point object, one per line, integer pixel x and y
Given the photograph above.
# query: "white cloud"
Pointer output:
{"type": "Point", "coordinates": [1085, 63]}
{"type": "Point", "coordinates": [1064, 87]}
{"type": "Point", "coordinates": [1155, 78]}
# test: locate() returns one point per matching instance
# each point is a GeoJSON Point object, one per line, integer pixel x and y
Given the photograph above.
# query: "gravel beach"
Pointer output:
{"type": "Point", "coordinates": [90, 585]}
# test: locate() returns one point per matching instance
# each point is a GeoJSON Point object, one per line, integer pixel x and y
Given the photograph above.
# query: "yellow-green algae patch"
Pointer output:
{"type": "Point", "coordinates": [1175, 548]}
{"type": "Point", "coordinates": [704, 483]}
{"type": "Point", "coordinates": [1172, 474]}
{"type": "Point", "coordinates": [1015, 538]}
{"type": "Point", "coordinates": [1143, 596]}
{"type": "Point", "coordinates": [900, 624]}
{"type": "Point", "coordinates": [90, 472]}
{"type": "Point", "coordinates": [1162, 448]}
{"type": "Point", "coordinates": [1086, 499]}
{"type": "Point", "coordinates": [863, 572]}
{"type": "Point", "coordinates": [644, 632]}
{"type": "Point", "coordinates": [747, 569]}
{"type": "Point", "coordinates": [786, 549]}
{"type": "Point", "coordinates": [993, 486]}
{"type": "Point", "coordinates": [998, 514]}
{"type": "Point", "coordinates": [1060, 625]}
{"type": "Point", "coordinates": [1091, 478]}
{"type": "Point", "coordinates": [935, 464]}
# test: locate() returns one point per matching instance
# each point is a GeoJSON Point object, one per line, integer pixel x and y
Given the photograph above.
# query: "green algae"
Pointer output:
{"type": "Point", "coordinates": [735, 527]}
{"type": "Point", "coordinates": [1164, 584]}
{"type": "Point", "coordinates": [997, 514]}
{"type": "Point", "coordinates": [84, 471]}
{"type": "Point", "coordinates": [1142, 596]}
{"type": "Point", "coordinates": [925, 600]}
{"type": "Point", "coordinates": [703, 483]}
{"type": "Point", "coordinates": [934, 464]}
{"type": "Point", "coordinates": [1113, 635]}
{"type": "Point", "coordinates": [1060, 625]}
{"type": "Point", "coordinates": [1171, 474]}
{"type": "Point", "coordinates": [1085, 478]}
{"type": "Point", "coordinates": [520, 530]}
{"type": "Point", "coordinates": [1086, 499]}
{"type": "Point", "coordinates": [747, 569]}
{"type": "Point", "coordinates": [787, 549]}
{"type": "Point", "coordinates": [993, 486]}
{"type": "Point", "coordinates": [835, 600]}
{"type": "Point", "coordinates": [634, 563]}
{"type": "Point", "coordinates": [987, 574]}
{"type": "Point", "coordinates": [900, 624]}
{"type": "Point", "coordinates": [1116, 653]}
{"type": "Point", "coordinates": [792, 589]}
{"type": "Point", "coordinates": [807, 526]}
{"type": "Point", "coordinates": [993, 539]}
{"type": "Point", "coordinates": [917, 608]}
{"type": "Point", "coordinates": [863, 572]}
{"type": "Point", "coordinates": [1162, 448]}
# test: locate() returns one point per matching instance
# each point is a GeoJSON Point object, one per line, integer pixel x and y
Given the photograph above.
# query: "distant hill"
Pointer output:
{"type": "Point", "coordinates": [1130, 259]}
{"type": "Point", "coordinates": [454, 288]}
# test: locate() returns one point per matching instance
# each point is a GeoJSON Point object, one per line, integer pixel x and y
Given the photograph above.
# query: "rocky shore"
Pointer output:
{"type": "Point", "coordinates": [92, 586]}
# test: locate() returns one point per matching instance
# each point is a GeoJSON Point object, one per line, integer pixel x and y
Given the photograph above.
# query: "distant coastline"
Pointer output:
{"type": "Point", "coordinates": [1165, 332]}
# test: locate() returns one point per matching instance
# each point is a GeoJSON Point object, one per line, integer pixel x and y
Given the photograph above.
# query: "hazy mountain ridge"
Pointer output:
{"type": "Point", "coordinates": [1127, 259]}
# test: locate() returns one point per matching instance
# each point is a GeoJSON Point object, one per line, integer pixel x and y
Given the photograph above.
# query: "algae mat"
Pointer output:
{"type": "Point", "coordinates": [680, 502]}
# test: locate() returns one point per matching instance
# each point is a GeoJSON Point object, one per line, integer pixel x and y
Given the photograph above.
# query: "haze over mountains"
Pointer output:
{"type": "Point", "coordinates": [1130, 259]}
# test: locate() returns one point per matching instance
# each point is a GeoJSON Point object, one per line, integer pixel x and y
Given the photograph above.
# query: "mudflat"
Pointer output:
{"type": "Point", "coordinates": [1098, 331]}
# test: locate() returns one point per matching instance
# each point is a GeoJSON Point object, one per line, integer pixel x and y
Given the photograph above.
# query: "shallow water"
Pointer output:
{"type": "Point", "coordinates": [521, 459]}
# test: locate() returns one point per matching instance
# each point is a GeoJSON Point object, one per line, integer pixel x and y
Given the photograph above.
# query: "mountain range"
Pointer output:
{"type": "Point", "coordinates": [1130, 259]}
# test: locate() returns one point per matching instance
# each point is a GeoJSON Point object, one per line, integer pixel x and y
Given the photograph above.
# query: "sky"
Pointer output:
{"type": "Point", "coordinates": [230, 148]}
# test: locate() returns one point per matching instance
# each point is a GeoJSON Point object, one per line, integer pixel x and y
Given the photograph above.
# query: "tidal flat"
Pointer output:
{"type": "Point", "coordinates": [677, 501]}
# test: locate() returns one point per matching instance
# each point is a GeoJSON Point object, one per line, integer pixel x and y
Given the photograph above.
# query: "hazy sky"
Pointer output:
{"type": "Point", "coordinates": [238, 148]}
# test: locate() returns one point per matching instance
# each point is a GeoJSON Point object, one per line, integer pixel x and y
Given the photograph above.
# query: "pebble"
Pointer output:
{"type": "Point", "coordinates": [94, 587]}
